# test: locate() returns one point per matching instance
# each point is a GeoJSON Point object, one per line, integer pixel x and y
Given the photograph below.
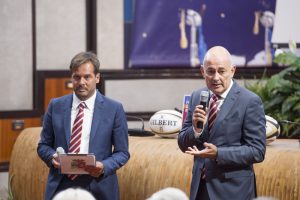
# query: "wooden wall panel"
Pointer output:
{"type": "Point", "coordinates": [55, 87]}
{"type": "Point", "coordinates": [8, 136]}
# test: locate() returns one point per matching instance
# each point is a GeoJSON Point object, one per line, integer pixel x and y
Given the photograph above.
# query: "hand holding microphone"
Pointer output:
{"type": "Point", "coordinates": [197, 113]}
{"type": "Point", "coordinates": [55, 160]}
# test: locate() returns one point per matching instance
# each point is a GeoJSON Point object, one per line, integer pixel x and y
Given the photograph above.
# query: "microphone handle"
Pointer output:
{"type": "Point", "coordinates": [200, 124]}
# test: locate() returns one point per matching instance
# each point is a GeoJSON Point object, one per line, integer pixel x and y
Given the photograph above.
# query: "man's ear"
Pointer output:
{"type": "Point", "coordinates": [233, 68]}
{"type": "Point", "coordinates": [202, 70]}
{"type": "Point", "coordinates": [98, 77]}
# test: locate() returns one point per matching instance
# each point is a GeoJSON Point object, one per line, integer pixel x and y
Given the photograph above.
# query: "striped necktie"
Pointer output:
{"type": "Point", "coordinates": [76, 134]}
{"type": "Point", "coordinates": [213, 109]}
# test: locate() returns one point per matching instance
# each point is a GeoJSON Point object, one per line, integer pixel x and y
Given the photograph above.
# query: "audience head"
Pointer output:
{"type": "Point", "coordinates": [74, 194]}
{"type": "Point", "coordinates": [169, 194]}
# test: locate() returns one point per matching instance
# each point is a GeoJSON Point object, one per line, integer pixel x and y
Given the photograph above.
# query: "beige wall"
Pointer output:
{"type": "Point", "coordinates": [148, 95]}
{"type": "Point", "coordinates": [60, 32]}
{"type": "Point", "coordinates": [110, 34]}
{"type": "Point", "coordinates": [16, 55]}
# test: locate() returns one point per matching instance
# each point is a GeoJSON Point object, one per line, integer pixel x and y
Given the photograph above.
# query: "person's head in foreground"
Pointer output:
{"type": "Point", "coordinates": [74, 194]}
{"type": "Point", "coordinates": [169, 194]}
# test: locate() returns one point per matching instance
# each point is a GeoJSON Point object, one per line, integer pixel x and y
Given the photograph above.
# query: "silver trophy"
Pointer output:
{"type": "Point", "coordinates": [267, 20]}
{"type": "Point", "coordinates": [194, 20]}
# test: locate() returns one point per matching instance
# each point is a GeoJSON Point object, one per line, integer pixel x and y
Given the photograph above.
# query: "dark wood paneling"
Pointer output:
{"type": "Point", "coordinates": [55, 87]}
{"type": "Point", "coordinates": [54, 81]}
{"type": "Point", "coordinates": [91, 25]}
{"type": "Point", "coordinates": [8, 136]}
{"type": "Point", "coordinates": [50, 84]}
{"type": "Point", "coordinates": [42, 76]}
{"type": "Point", "coordinates": [4, 166]}
{"type": "Point", "coordinates": [21, 114]}
{"type": "Point", "coordinates": [184, 73]}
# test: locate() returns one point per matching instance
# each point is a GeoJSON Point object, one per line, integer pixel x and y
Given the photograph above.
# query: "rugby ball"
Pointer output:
{"type": "Point", "coordinates": [166, 123]}
{"type": "Point", "coordinates": [272, 129]}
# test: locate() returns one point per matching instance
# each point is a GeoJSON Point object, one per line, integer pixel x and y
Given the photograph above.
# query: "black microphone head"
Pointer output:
{"type": "Point", "coordinates": [204, 96]}
{"type": "Point", "coordinates": [203, 101]}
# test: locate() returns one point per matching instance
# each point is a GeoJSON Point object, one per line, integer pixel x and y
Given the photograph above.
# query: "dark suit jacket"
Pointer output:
{"type": "Point", "coordinates": [109, 129]}
{"type": "Point", "coordinates": [240, 135]}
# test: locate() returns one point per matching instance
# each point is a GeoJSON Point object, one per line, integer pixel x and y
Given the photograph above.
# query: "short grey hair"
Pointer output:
{"type": "Point", "coordinates": [212, 51]}
{"type": "Point", "coordinates": [169, 193]}
{"type": "Point", "coordinates": [74, 194]}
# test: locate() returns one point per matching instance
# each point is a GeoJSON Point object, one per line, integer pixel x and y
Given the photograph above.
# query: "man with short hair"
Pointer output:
{"type": "Point", "coordinates": [85, 122]}
{"type": "Point", "coordinates": [232, 139]}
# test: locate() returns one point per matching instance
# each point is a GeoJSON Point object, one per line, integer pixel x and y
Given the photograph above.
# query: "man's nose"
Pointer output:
{"type": "Point", "coordinates": [216, 76]}
{"type": "Point", "coordinates": [82, 81]}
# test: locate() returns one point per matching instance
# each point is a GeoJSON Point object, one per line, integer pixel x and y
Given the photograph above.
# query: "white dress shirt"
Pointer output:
{"type": "Point", "coordinates": [87, 120]}
{"type": "Point", "coordinates": [219, 103]}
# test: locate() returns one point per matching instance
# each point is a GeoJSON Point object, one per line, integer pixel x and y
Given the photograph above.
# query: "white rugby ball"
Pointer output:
{"type": "Point", "coordinates": [166, 123]}
{"type": "Point", "coordinates": [272, 129]}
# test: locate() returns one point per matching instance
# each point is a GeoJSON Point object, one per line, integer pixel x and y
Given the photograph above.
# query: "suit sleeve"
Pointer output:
{"type": "Point", "coordinates": [253, 140]}
{"type": "Point", "coordinates": [120, 153]}
{"type": "Point", "coordinates": [186, 137]}
{"type": "Point", "coordinates": [45, 146]}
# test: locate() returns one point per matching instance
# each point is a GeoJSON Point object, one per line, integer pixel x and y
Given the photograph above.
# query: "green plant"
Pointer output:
{"type": "Point", "coordinates": [281, 93]}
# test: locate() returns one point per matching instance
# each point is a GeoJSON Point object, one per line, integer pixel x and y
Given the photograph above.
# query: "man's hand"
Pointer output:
{"type": "Point", "coordinates": [55, 161]}
{"type": "Point", "coordinates": [210, 151]}
{"type": "Point", "coordinates": [96, 170]}
{"type": "Point", "coordinates": [199, 115]}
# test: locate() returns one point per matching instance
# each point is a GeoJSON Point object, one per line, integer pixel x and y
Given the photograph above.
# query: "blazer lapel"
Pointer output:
{"type": "Point", "coordinates": [226, 107]}
{"type": "Point", "coordinates": [67, 118]}
{"type": "Point", "coordinates": [98, 115]}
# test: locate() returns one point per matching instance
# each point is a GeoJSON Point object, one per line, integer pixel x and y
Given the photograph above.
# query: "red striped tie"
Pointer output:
{"type": "Point", "coordinates": [213, 109]}
{"type": "Point", "coordinates": [76, 134]}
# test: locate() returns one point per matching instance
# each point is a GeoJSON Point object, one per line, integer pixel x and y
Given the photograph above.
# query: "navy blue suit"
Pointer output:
{"type": "Point", "coordinates": [240, 135]}
{"type": "Point", "coordinates": [109, 129]}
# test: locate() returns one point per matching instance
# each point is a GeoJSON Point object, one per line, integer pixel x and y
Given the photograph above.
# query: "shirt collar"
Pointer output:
{"type": "Point", "coordinates": [90, 102]}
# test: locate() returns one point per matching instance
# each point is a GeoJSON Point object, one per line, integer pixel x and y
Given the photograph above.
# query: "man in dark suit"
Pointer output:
{"type": "Point", "coordinates": [228, 144]}
{"type": "Point", "coordinates": [102, 132]}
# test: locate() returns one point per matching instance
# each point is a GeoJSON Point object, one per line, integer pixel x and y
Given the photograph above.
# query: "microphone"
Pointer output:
{"type": "Point", "coordinates": [60, 150]}
{"type": "Point", "coordinates": [203, 101]}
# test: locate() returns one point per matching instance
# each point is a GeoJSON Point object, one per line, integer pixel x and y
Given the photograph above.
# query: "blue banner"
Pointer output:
{"type": "Point", "coordinates": [177, 33]}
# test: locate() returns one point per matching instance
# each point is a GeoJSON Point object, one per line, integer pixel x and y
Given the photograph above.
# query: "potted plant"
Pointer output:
{"type": "Point", "coordinates": [281, 92]}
